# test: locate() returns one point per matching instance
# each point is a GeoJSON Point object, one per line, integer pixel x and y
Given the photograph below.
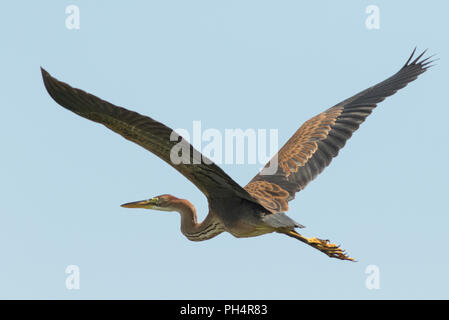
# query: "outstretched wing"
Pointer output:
{"type": "Point", "coordinates": [319, 139]}
{"type": "Point", "coordinates": [150, 134]}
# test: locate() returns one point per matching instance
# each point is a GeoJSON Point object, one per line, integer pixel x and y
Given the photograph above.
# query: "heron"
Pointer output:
{"type": "Point", "coordinates": [259, 207]}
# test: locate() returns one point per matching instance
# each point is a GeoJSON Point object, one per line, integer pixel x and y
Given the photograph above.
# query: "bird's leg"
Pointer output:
{"type": "Point", "coordinates": [332, 250]}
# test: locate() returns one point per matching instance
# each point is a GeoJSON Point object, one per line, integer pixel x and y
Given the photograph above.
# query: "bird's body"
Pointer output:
{"type": "Point", "coordinates": [260, 206]}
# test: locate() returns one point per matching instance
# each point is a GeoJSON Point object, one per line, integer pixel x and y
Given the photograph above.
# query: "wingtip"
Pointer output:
{"type": "Point", "coordinates": [424, 63]}
{"type": "Point", "coordinates": [410, 58]}
{"type": "Point", "coordinates": [419, 57]}
{"type": "Point", "coordinates": [44, 72]}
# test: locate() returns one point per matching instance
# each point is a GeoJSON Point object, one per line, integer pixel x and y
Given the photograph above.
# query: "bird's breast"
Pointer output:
{"type": "Point", "coordinates": [243, 219]}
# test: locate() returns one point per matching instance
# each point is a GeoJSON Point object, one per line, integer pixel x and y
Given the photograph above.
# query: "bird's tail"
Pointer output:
{"type": "Point", "coordinates": [280, 221]}
{"type": "Point", "coordinates": [330, 249]}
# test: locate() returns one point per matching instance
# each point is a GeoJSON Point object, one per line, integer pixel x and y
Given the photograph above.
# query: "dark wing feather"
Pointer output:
{"type": "Point", "coordinates": [148, 133]}
{"type": "Point", "coordinates": [319, 139]}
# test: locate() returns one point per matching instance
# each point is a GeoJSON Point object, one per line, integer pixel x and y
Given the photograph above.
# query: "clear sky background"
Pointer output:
{"type": "Point", "coordinates": [230, 64]}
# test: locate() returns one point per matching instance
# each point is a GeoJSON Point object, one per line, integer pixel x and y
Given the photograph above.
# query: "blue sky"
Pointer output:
{"type": "Point", "coordinates": [229, 64]}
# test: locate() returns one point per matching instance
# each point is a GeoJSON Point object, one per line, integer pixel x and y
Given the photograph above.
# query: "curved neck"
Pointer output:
{"type": "Point", "coordinates": [190, 227]}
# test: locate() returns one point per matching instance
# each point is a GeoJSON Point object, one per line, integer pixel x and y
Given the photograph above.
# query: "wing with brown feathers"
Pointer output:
{"type": "Point", "coordinates": [148, 133]}
{"type": "Point", "coordinates": [319, 139]}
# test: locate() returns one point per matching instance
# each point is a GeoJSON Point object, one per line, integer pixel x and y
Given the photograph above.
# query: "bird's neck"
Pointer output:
{"type": "Point", "coordinates": [190, 227]}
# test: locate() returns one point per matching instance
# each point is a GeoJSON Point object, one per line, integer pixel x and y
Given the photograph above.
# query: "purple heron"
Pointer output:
{"type": "Point", "coordinates": [260, 206]}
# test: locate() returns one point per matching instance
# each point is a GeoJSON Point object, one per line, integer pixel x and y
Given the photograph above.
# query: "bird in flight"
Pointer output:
{"type": "Point", "coordinates": [259, 207]}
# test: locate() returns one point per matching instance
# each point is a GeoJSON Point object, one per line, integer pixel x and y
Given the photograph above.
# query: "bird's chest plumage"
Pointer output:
{"type": "Point", "coordinates": [241, 218]}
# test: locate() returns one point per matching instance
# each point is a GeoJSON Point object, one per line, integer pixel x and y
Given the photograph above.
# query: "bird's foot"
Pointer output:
{"type": "Point", "coordinates": [332, 250]}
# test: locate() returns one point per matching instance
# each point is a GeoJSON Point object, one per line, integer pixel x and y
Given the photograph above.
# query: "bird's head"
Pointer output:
{"type": "Point", "coordinates": [163, 202]}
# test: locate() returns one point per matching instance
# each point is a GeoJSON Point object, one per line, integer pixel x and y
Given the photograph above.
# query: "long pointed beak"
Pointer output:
{"type": "Point", "coordinates": [146, 204]}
